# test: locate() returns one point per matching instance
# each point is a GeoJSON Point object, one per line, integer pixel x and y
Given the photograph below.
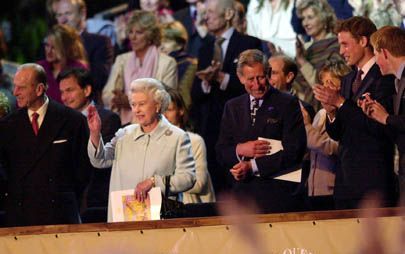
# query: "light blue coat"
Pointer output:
{"type": "Point", "coordinates": [136, 156]}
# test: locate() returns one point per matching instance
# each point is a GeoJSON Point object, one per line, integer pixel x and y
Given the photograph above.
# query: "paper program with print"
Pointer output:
{"type": "Point", "coordinates": [275, 145]}
{"type": "Point", "coordinates": [126, 208]}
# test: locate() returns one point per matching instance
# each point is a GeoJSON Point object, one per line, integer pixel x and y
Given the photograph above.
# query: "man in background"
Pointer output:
{"type": "Point", "coordinates": [217, 81]}
{"type": "Point", "coordinates": [77, 93]}
{"type": "Point", "coordinates": [100, 52]}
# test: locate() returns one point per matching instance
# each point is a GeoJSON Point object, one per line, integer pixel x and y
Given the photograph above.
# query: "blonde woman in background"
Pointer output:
{"type": "Point", "coordinates": [203, 190]}
{"type": "Point", "coordinates": [144, 61]}
{"type": "Point", "coordinates": [323, 149]}
{"type": "Point", "coordinates": [63, 50]}
{"type": "Point", "coordinates": [318, 20]}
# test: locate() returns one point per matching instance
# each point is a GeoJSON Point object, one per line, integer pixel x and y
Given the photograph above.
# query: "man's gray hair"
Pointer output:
{"type": "Point", "coordinates": [154, 88]}
{"type": "Point", "coordinates": [250, 57]}
{"type": "Point", "coordinates": [40, 74]}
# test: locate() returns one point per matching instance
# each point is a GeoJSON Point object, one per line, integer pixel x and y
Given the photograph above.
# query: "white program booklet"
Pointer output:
{"type": "Point", "coordinates": [126, 208]}
{"type": "Point", "coordinates": [275, 144]}
{"type": "Point", "coordinates": [294, 176]}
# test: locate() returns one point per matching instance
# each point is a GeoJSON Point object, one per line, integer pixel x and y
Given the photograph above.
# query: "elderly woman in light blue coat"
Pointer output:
{"type": "Point", "coordinates": [142, 154]}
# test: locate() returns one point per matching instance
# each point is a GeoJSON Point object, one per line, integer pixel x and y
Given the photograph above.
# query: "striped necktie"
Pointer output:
{"type": "Point", "coordinates": [255, 106]}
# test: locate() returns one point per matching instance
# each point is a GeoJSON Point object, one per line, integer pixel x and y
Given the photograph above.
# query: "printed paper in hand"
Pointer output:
{"type": "Point", "coordinates": [126, 208]}
{"type": "Point", "coordinates": [275, 144]}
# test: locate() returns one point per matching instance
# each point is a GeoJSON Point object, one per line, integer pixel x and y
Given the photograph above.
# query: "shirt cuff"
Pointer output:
{"type": "Point", "coordinates": [255, 169]}
{"type": "Point", "coordinates": [237, 156]}
{"type": "Point", "coordinates": [224, 84]}
{"type": "Point", "coordinates": [331, 120]}
{"type": "Point", "coordinates": [206, 88]}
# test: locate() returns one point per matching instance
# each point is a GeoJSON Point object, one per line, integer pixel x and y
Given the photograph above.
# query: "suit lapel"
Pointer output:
{"type": "Point", "coordinates": [347, 88]}
{"type": "Point", "coordinates": [53, 122]}
{"type": "Point", "coordinates": [368, 80]}
{"type": "Point", "coordinates": [188, 21]}
{"type": "Point", "coordinates": [398, 96]}
{"type": "Point", "coordinates": [244, 115]}
{"type": "Point", "coordinates": [230, 51]}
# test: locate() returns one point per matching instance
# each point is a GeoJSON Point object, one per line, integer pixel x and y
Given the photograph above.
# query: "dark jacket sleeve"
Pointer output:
{"type": "Point", "coordinates": [82, 164]}
{"type": "Point", "coordinates": [226, 145]}
{"type": "Point", "coordinates": [293, 141]}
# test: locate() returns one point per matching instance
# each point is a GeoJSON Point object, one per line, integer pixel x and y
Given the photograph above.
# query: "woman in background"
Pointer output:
{"type": "Point", "coordinates": [318, 20]}
{"type": "Point", "coordinates": [174, 42]}
{"type": "Point", "coordinates": [144, 61]}
{"type": "Point", "coordinates": [158, 7]}
{"type": "Point", "coordinates": [270, 20]}
{"type": "Point", "coordinates": [63, 50]}
{"type": "Point", "coordinates": [323, 149]}
{"type": "Point", "coordinates": [203, 190]}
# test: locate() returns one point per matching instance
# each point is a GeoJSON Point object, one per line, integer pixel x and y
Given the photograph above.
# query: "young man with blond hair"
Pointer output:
{"type": "Point", "coordinates": [389, 50]}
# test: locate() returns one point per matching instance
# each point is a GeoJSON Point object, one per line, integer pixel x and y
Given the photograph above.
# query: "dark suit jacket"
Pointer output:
{"type": "Point", "coordinates": [100, 54]}
{"type": "Point", "coordinates": [46, 173]}
{"type": "Point", "coordinates": [195, 41]}
{"type": "Point", "coordinates": [110, 123]}
{"type": "Point", "coordinates": [365, 152]}
{"type": "Point", "coordinates": [396, 126]}
{"type": "Point", "coordinates": [279, 117]}
{"type": "Point", "coordinates": [206, 109]}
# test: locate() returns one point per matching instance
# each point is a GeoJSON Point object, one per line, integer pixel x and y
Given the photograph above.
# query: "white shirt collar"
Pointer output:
{"type": "Point", "coordinates": [228, 33]}
{"type": "Point", "coordinates": [400, 71]}
{"type": "Point", "coordinates": [85, 110]}
{"type": "Point", "coordinates": [41, 111]}
{"type": "Point", "coordinates": [251, 98]}
{"type": "Point", "coordinates": [192, 9]}
{"type": "Point", "coordinates": [367, 66]}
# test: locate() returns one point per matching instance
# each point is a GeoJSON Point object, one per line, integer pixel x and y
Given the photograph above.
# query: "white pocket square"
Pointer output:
{"type": "Point", "coordinates": [60, 141]}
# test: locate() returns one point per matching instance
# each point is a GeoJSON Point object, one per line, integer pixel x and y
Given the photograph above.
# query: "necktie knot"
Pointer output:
{"type": "Point", "coordinates": [219, 40]}
{"type": "Point", "coordinates": [35, 116]}
{"type": "Point", "coordinates": [218, 49]}
{"type": "Point", "coordinates": [34, 123]}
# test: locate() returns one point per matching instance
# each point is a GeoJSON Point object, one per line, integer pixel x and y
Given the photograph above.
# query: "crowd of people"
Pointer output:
{"type": "Point", "coordinates": [296, 117]}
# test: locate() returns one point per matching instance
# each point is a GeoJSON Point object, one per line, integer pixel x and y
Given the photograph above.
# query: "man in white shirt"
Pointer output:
{"type": "Point", "coordinates": [217, 81]}
{"type": "Point", "coordinates": [76, 92]}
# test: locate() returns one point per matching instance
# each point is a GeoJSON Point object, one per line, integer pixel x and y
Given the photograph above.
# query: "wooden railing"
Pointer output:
{"type": "Point", "coordinates": [191, 222]}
